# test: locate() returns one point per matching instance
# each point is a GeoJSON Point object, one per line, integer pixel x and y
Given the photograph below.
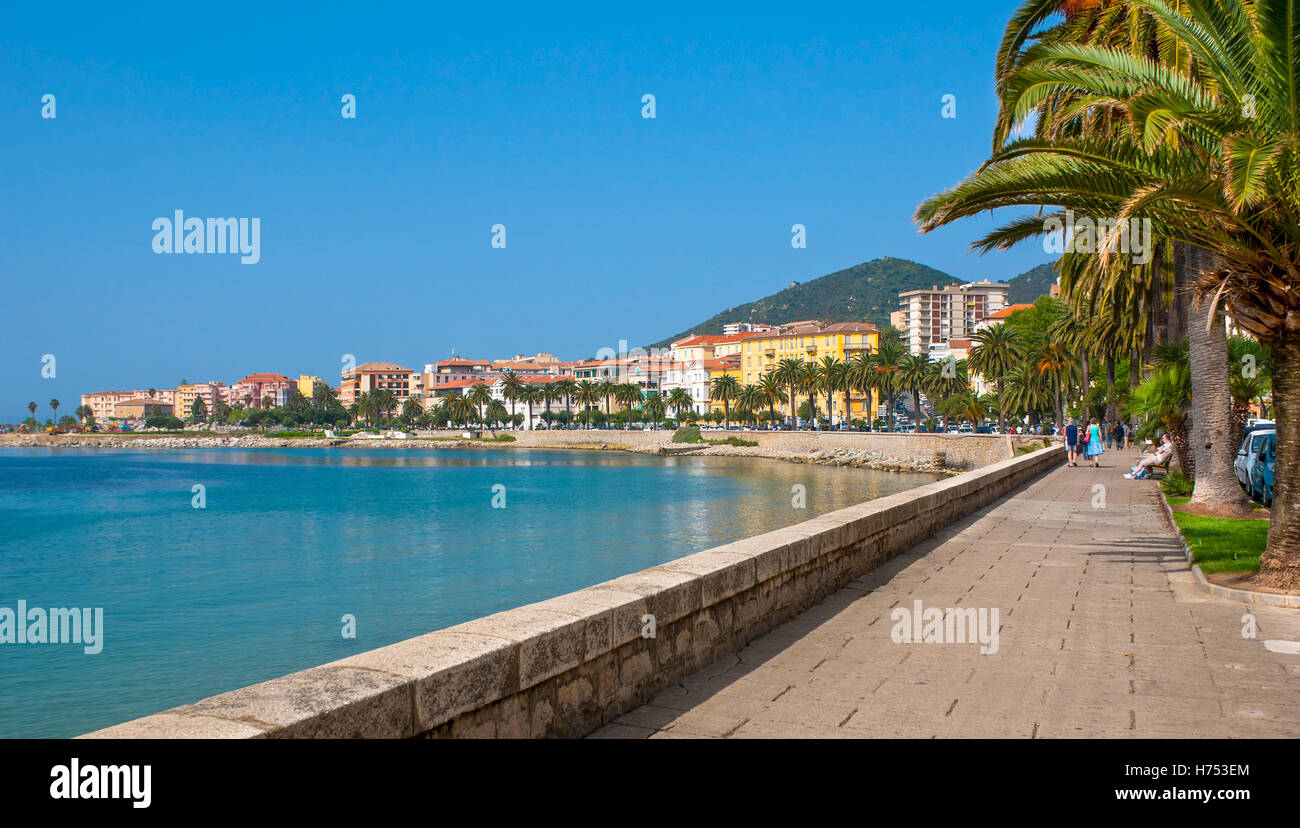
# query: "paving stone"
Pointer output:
{"type": "Point", "coordinates": [1102, 634]}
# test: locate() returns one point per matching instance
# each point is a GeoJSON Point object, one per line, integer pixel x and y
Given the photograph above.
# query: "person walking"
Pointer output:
{"type": "Point", "coordinates": [1110, 435]}
{"type": "Point", "coordinates": [1093, 449]}
{"type": "Point", "coordinates": [1072, 444]}
{"type": "Point", "coordinates": [1117, 433]}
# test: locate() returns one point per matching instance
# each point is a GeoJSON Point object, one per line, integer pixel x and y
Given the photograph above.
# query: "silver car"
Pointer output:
{"type": "Point", "coordinates": [1249, 452]}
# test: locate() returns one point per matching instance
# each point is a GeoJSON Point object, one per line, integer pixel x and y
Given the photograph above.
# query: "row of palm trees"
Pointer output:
{"type": "Point", "coordinates": [1184, 114]}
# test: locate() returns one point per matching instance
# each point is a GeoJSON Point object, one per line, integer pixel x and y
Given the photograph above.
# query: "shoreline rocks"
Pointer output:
{"type": "Point", "coordinates": [840, 457]}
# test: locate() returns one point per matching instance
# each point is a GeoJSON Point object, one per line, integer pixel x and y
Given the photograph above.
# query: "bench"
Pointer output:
{"type": "Point", "coordinates": [1163, 468]}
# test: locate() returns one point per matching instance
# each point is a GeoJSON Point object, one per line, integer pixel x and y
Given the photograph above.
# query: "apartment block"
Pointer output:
{"type": "Point", "coordinates": [937, 315]}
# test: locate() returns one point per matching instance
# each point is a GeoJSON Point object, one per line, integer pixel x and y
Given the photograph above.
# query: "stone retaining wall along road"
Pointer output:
{"type": "Point", "coordinates": [958, 451]}
{"type": "Point", "coordinates": [566, 666]}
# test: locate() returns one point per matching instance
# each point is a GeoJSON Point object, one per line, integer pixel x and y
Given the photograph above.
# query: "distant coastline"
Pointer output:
{"type": "Point", "coordinates": [929, 454]}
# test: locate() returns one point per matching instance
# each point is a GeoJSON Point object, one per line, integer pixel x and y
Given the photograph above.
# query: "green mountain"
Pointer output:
{"type": "Point", "coordinates": [1031, 284]}
{"type": "Point", "coordinates": [864, 293]}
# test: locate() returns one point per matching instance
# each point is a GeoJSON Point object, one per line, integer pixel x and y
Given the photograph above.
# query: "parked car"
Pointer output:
{"type": "Point", "coordinates": [1261, 471]}
{"type": "Point", "coordinates": [1248, 452]}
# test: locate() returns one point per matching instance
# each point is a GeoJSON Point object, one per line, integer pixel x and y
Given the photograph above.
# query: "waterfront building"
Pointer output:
{"type": "Point", "coordinates": [308, 385]}
{"type": "Point", "coordinates": [375, 376]}
{"type": "Point", "coordinates": [936, 315]}
{"type": "Point", "coordinates": [726, 366]}
{"type": "Point", "coordinates": [103, 404]}
{"type": "Point", "coordinates": [732, 328]}
{"type": "Point", "coordinates": [455, 370]}
{"type": "Point", "coordinates": [694, 348]}
{"type": "Point", "coordinates": [692, 376]}
{"type": "Point", "coordinates": [210, 392]}
{"type": "Point", "coordinates": [265, 390]}
{"type": "Point", "coordinates": [141, 408]}
{"type": "Point", "coordinates": [645, 371]}
{"type": "Point", "coordinates": [710, 346]}
{"type": "Point", "coordinates": [1000, 317]}
{"type": "Point", "coordinates": [763, 353]}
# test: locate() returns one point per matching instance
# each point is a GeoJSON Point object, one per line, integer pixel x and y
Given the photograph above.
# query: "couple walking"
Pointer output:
{"type": "Point", "coordinates": [1088, 439]}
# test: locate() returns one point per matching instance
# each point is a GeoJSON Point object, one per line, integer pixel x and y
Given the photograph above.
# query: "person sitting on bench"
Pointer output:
{"type": "Point", "coordinates": [1149, 461]}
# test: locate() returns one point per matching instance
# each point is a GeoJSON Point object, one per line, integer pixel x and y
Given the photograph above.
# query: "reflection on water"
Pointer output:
{"type": "Point", "coordinates": [198, 601]}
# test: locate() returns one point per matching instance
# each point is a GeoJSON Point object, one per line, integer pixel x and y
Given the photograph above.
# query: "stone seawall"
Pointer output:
{"type": "Point", "coordinates": [943, 453]}
{"type": "Point", "coordinates": [566, 666]}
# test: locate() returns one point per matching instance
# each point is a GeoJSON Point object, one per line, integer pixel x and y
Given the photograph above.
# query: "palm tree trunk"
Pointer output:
{"type": "Point", "coordinates": [1134, 377]}
{"type": "Point", "coordinates": [1085, 380]}
{"type": "Point", "coordinates": [1002, 408]}
{"type": "Point", "coordinates": [1112, 411]}
{"type": "Point", "coordinates": [1216, 483]}
{"type": "Point", "coordinates": [1279, 566]}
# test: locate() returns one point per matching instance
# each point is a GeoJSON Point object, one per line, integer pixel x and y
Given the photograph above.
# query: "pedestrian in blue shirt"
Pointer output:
{"type": "Point", "coordinates": [1072, 443]}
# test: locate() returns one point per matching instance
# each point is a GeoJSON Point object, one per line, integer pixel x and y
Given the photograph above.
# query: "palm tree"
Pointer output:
{"type": "Point", "coordinates": [607, 388]}
{"type": "Point", "coordinates": [1197, 151]}
{"type": "Point", "coordinates": [629, 396]}
{"type": "Point", "coordinates": [387, 402]}
{"type": "Point", "coordinates": [461, 409]}
{"type": "Point", "coordinates": [31, 409]}
{"type": "Point", "coordinates": [412, 410]}
{"type": "Point", "coordinates": [810, 382]}
{"type": "Point", "coordinates": [995, 353]}
{"type": "Point", "coordinates": [512, 389]}
{"type": "Point", "coordinates": [550, 394]}
{"type": "Point", "coordinates": [967, 407]}
{"type": "Point", "coordinates": [1057, 364]}
{"type": "Point", "coordinates": [587, 394]}
{"type": "Point", "coordinates": [480, 395]}
{"type": "Point", "coordinates": [773, 395]}
{"type": "Point", "coordinates": [790, 374]}
{"type": "Point", "coordinates": [567, 388]}
{"type": "Point", "coordinates": [531, 395]}
{"type": "Point", "coordinates": [947, 378]}
{"type": "Point", "coordinates": [724, 390]}
{"type": "Point", "coordinates": [832, 376]}
{"type": "Point", "coordinates": [913, 375]}
{"type": "Point", "coordinates": [1164, 399]}
{"type": "Point", "coordinates": [655, 407]}
{"type": "Point", "coordinates": [679, 399]}
{"type": "Point", "coordinates": [496, 412]}
{"type": "Point", "coordinates": [883, 367]}
{"type": "Point", "coordinates": [54, 406]}
{"type": "Point", "coordinates": [751, 399]}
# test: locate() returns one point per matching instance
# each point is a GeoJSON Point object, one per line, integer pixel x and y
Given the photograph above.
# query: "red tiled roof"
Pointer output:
{"type": "Point", "coordinates": [1007, 311]}
{"type": "Point", "coordinates": [266, 378]}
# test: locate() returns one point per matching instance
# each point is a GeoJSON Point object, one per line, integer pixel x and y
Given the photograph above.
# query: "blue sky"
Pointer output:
{"type": "Point", "coordinates": [376, 231]}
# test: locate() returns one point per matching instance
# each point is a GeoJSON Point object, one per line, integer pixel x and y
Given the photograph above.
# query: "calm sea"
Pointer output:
{"type": "Point", "coordinates": [254, 585]}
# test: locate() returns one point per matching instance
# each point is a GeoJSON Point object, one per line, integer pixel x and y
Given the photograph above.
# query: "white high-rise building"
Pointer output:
{"type": "Point", "coordinates": [933, 317]}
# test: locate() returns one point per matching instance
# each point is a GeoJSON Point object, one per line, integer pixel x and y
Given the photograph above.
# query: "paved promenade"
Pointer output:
{"type": "Point", "coordinates": [1103, 634]}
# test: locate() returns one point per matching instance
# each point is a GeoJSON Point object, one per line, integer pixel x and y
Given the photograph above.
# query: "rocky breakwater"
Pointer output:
{"type": "Point", "coordinates": [844, 457]}
{"type": "Point", "coordinates": [170, 441]}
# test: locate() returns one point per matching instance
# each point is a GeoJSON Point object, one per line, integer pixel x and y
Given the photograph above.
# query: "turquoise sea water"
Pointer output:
{"type": "Point", "coordinates": [254, 585]}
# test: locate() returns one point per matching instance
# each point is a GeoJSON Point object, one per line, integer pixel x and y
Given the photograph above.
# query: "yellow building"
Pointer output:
{"type": "Point", "coordinates": [726, 366]}
{"type": "Point", "coordinates": [763, 353]}
{"type": "Point", "coordinates": [308, 384]}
